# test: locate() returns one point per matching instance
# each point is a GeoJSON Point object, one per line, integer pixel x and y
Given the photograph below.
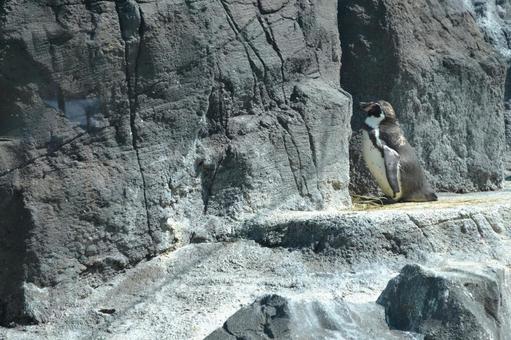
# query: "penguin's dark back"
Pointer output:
{"type": "Point", "coordinates": [413, 179]}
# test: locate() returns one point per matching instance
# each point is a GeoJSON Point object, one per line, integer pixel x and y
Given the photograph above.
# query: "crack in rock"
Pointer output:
{"type": "Point", "coordinates": [248, 45]}
{"type": "Point", "coordinates": [418, 225]}
{"type": "Point", "coordinates": [33, 160]}
{"type": "Point", "coordinates": [287, 130]}
{"type": "Point", "coordinates": [270, 38]}
{"type": "Point", "coordinates": [132, 26]}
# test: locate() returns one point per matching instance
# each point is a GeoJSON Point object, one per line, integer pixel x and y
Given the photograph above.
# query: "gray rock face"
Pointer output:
{"type": "Point", "coordinates": [431, 61]}
{"type": "Point", "coordinates": [125, 125]}
{"type": "Point", "coordinates": [267, 318]}
{"type": "Point", "coordinates": [494, 18]}
{"type": "Point", "coordinates": [453, 303]}
{"type": "Point", "coordinates": [129, 128]}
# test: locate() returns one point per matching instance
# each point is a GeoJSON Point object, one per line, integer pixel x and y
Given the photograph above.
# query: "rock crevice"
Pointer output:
{"type": "Point", "coordinates": [132, 27]}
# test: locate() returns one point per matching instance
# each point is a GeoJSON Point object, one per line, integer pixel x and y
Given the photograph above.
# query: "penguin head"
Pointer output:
{"type": "Point", "coordinates": [378, 112]}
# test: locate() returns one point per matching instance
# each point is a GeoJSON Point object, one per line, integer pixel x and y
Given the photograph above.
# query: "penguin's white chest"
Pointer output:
{"type": "Point", "coordinates": [376, 165]}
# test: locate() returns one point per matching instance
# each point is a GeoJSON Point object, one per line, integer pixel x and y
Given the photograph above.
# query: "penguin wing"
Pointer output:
{"type": "Point", "coordinates": [391, 158]}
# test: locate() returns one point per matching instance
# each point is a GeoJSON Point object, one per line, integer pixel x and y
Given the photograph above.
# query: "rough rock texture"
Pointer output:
{"type": "Point", "coordinates": [276, 317]}
{"type": "Point", "coordinates": [124, 125]}
{"type": "Point", "coordinates": [404, 229]}
{"type": "Point", "coordinates": [494, 18]}
{"type": "Point", "coordinates": [462, 302]}
{"type": "Point", "coordinates": [129, 129]}
{"type": "Point", "coordinates": [267, 318]}
{"type": "Point", "coordinates": [431, 61]}
{"type": "Point", "coordinates": [193, 291]}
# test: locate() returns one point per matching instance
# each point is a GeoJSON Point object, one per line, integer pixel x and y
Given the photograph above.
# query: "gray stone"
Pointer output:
{"type": "Point", "coordinates": [467, 301]}
{"type": "Point", "coordinates": [172, 129]}
{"type": "Point", "coordinates": [125, 125]}
{"type": "Point", "coordinates": [191, 292]}
{"type": "Point", "coordinates": [267, 318]}
{"type": "Point", "coordinates": [276, 317]}
{"type": "Point", "coordinates": [406, 230]}
{"type": "Point", "coordinates": [494, 18]}
{"type": "Point", "coordinates": [430, 60]}
{"type": "Point", "coordinates": [37, 303]}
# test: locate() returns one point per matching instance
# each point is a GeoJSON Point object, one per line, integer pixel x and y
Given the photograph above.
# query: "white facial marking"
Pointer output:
{"type": "Point", "coordinates": [374, 122]}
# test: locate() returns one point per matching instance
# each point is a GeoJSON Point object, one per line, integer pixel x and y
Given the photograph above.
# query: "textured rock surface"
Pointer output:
{"type": "Point", "coordinates": [468, 301]}
{"type": "Point", "coordinates": [128, 128]}
{"type": "Point", "coordinates": [411, 230]}
{"type": "Point", "coordinates": [431, 61]}
{"type": "Point", "coordinates": [267, 318]}
{"type": "Point", "coordinates": [275, 317]}
{"type": "Point", "coordinates": [190, 293]}
{"type": "Point", "coordinates": [123, 124]}
{"type": "Point", "coordinates": [494, 18]}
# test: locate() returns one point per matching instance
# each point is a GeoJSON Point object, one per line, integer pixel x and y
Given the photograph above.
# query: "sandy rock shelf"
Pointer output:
{"type": "Point", "coordinates": [329, 267]}
{"type": "Point", "coordinates": [476, 222]}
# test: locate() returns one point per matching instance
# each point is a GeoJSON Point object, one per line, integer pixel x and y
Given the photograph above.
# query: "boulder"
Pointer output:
{"type": "Point", "coordinates": [463, 301]}
{"type": "Point", "coordinates": [276, 317]}
{"type": "Point", "coordinates": [266, 318]}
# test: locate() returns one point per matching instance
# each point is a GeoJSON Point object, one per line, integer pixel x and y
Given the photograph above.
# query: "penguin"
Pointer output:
{"type": "Point", "coordinates": [390, 158]}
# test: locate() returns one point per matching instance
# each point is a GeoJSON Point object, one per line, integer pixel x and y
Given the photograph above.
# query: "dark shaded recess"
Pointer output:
{"type": "Point", "coordinates": [11, 117]}
{"type": "Point", "coordinates": [369, 61]}
{"type": "Point", "coordinates": [2, 10]}
{"type": "Point", "coordinates": [11, 122]}
{"type": "Point", "coordinates": [15, 226]}
{"type": "Point", "coordinates": [369, 70]}
{"type": "Point", "coordinates": [107, 310]}
{"type": "Point", "coordinates": [223, 181]}
{"type": "Point", "coordinates": [17, 71]}
{"type": "Point", "coordinates": [220, 105]}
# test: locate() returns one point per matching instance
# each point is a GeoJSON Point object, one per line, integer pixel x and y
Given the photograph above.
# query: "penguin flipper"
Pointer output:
{"type": "Point", "coordinates": [391, 158]}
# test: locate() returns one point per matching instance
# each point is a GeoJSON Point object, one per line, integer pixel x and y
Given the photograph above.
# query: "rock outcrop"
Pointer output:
{"type": "Point", "coordinates": [276, 317]}
{"type": "Point", "coordinates": [267, 318]}
{"type": "Point", "coordinates": [467, 301]}
{"type": "Point", "coordinates": [431, 61]}
{"type": "Point", "coordinates": [403, 230]}
{"type": "Point", "coordinates": [328, 291]}
{"type": "Point", "coordinates": [124, 125]}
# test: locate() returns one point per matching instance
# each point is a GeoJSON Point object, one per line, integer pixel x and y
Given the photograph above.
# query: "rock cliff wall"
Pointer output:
{"type": "Point", "coordinates": [130, 128]}
{"type": "Point", "coordinates": [127, 127]}
{"type": "Point", "coordinates": [494, 18]}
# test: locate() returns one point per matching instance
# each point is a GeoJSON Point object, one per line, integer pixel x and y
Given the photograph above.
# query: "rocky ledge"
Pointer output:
{"type": "Point", "coordinates": [332, 274]}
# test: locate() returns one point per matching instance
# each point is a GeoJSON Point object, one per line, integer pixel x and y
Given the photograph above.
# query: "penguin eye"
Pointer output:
{"type": "Point", "coordinates": [377, 111]}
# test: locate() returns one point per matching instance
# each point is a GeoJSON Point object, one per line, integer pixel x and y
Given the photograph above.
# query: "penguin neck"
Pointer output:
{"type": "Point", "coordinates": [374, 135]}
{"type": "Point", "coordinates": [368, 127]}
{"type": "Point", "coordinates": [373, 122]}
